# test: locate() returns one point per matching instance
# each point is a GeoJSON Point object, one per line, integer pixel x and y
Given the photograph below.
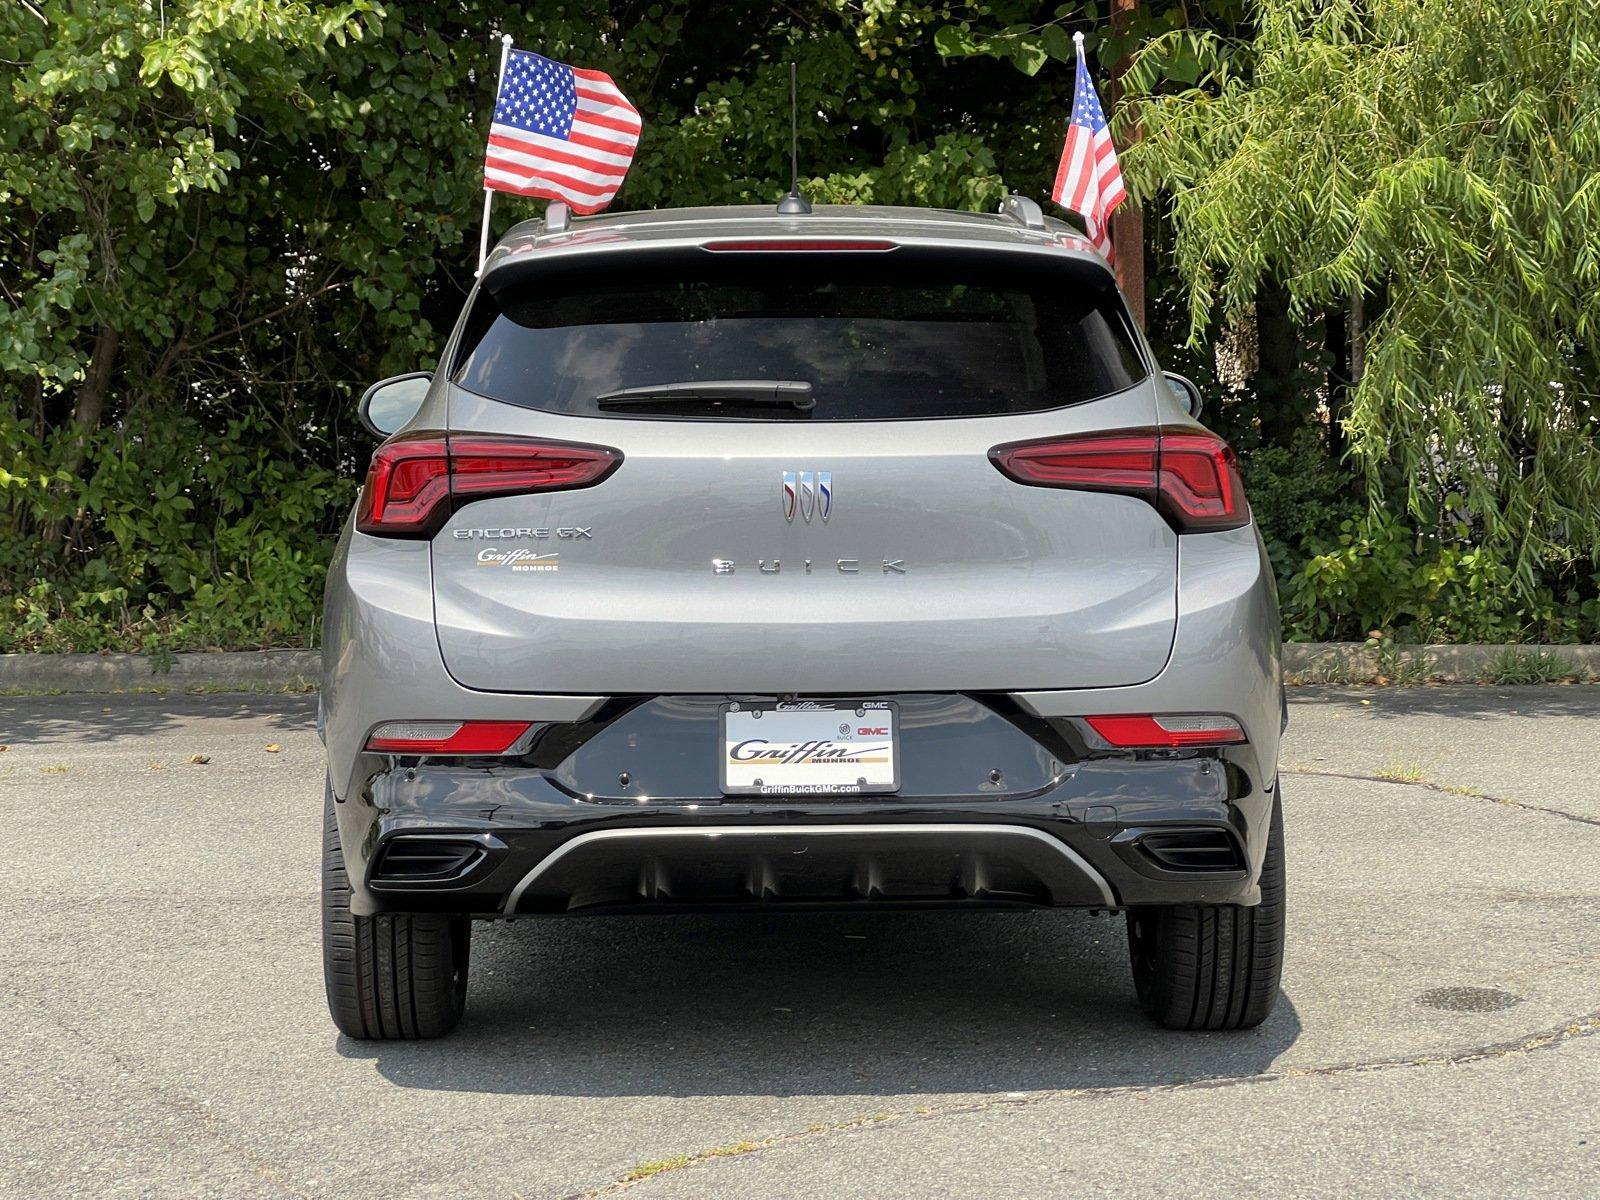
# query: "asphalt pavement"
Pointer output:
{"type": "Point", "coordinates": [163, 1030]}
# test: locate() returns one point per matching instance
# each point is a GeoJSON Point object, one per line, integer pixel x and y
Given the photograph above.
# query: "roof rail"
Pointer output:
{"type": "Point", "coordinates": [1023, 211]}
{"type": "Point", "coordinates": [557, 216]}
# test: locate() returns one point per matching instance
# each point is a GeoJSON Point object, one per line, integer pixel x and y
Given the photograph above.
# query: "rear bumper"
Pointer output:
{"type": "Point", "coordinates": [789, 864]}
{"type": "Point", "coordinates": [382, 663]}
{"type": "Point", "coordinates": [508, 842]}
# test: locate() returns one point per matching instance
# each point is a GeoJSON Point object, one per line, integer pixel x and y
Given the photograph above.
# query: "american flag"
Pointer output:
{"type": "Point", "coordinates": [1089, 180]}
{"type": "Point", "coordinates": [559, 132]}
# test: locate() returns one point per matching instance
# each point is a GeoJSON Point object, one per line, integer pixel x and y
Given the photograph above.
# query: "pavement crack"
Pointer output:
{"type": "Point", "coordinates": [1445, 790]}
{"type": "Point", "coordinates": [186, 1109]}
{"type": "Point", "coordinates": [1582, 1027]}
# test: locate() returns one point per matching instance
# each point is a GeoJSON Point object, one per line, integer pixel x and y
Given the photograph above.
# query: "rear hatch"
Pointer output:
{"type": "Point", "coordinates": [818, 511]}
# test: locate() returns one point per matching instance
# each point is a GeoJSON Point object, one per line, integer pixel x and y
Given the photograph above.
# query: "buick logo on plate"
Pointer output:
{"type": "Point", "coordinates": [811, 492]}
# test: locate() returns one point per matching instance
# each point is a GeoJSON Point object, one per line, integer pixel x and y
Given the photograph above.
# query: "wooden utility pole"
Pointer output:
{"type": "Point", "coordinates": [1127, 223]}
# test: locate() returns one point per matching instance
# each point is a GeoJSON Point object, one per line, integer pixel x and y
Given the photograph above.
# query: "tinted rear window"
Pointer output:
{"type": "Point", "coordinates": [878, 338]}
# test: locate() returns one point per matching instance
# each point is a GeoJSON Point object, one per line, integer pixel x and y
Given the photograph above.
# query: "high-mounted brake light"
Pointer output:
{"type": "Point", "coordinates": [1192, 477]}
{"type": "Point", "coordinates": [1168, 730]}
{"type": "Point", "coordinates": [814, 245]}
{"type": "Point", "coordinates": [446, 737]}
{"type": "Point", "coordinates": [418, 479]}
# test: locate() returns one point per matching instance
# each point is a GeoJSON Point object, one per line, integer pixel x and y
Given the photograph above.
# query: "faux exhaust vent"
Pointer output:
{"type": "Point", "coordinates": [426, 859]}
{"type": "Point", "coordinates": [1194, 850]}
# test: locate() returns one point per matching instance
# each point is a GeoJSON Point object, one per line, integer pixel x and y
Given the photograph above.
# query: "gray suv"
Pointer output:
{"type": "Point", "coordinates": [738, 559]}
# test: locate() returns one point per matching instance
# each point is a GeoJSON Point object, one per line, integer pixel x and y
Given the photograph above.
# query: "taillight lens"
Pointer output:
{"type": "Point", "coordinates": [418, 479]}
{"type": "Point", "coordinates": [408, 487]}
{"type": "Point", "coordinates": [1192, 477]}
{"type": "Point", "coordinates": [447, 737]}
{"type": "Point", "coordinates": [1168, 730]}
{"type": "Point", "coordinates": [1126, 463]}
{"type": "Point", "coordinates": [1200, 482]}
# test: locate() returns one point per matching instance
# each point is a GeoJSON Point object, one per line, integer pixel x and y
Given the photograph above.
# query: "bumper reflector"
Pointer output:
{"type": "Point", "coordinates": [1168, 730]}
{"type": "Point", "coordinates": [446, 737]}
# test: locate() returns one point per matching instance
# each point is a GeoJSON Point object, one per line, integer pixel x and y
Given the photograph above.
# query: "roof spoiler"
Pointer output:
{"type": "Point", "coordinates": [510, 266]}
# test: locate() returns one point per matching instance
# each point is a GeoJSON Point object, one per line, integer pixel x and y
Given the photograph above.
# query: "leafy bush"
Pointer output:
{"type": "Point", "coordinates": [1382, 575]}
{"type": "Point", "coordinates": [1298, 493]}
{"type": "Point", "coordinates": [202, 538]}
{"type": "Point", "coordinates": [220, 220]}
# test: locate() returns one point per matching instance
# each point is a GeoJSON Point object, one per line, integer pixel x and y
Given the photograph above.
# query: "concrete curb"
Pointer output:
{"type": "Point", "coordinates": [1355, 662]}
{"type": "Point", "coordinates": [301, 670]}
{"type": "Point", "coordinates": [225, 671]}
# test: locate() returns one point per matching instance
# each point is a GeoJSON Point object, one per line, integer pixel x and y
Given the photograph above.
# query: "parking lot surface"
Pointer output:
{"type": "Point", "coordinates": [164, 1033]}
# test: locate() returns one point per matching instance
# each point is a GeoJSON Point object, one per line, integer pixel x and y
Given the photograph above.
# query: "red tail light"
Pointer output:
{"type": "Point", "coordinates": [1192, 477]}
{"type": "Point", "coordinates": [1168, 730]}
{"type": "Point", "coordinates": [1200, 481]}
{"type": "Point", "coordinates": [418, 479]}
{"type": "Point", "coordinates": [447, 737]}
{"type": "Point", "coordinates": [408, 486]}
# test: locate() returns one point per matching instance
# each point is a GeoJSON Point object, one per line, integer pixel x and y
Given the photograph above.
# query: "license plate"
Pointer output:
{"type": "Point", "coordinates": [810, 748]}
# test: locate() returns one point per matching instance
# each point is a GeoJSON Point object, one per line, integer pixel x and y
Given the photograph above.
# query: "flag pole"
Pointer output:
{"type": "Point", "coordinates": [488, 192]}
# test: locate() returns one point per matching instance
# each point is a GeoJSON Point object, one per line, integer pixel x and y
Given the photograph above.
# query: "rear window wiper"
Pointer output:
{"type": "Point", "coordinates": [796, 394]}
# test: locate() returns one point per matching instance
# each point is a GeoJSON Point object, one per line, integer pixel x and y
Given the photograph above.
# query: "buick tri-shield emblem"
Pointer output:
{"type": "Point", "coordinates": [809, 491]}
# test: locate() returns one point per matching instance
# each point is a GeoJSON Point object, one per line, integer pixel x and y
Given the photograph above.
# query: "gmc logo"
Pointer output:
{"type": "Point", "coordinates": [866, 731]}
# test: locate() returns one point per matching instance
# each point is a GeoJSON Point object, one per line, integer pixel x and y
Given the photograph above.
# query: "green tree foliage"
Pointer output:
{"type": "Point", "coordinates": [221, 219]}
{"type": "Point", "coordinates": [160, 279]}
{"type": "Point", "coordinates": [1440, 160]}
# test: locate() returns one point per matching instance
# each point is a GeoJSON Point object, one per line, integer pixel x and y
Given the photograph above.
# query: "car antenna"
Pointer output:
{"type": "Point", "coordinates": [794, 204]}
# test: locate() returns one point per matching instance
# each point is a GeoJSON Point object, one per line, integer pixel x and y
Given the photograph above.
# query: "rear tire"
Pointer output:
{"type": "Point", "coordinates": [1213, 966]}
{"type": "Point", "coordinates": [392, 976]}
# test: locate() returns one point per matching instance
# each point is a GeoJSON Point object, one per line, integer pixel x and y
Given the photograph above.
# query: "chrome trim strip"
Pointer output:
{"type": "Point", "coordinates": [713, 832]}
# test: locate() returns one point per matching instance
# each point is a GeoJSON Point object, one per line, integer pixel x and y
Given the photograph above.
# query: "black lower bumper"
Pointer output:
{"type": "Point", "coordinates": [496, 841]}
